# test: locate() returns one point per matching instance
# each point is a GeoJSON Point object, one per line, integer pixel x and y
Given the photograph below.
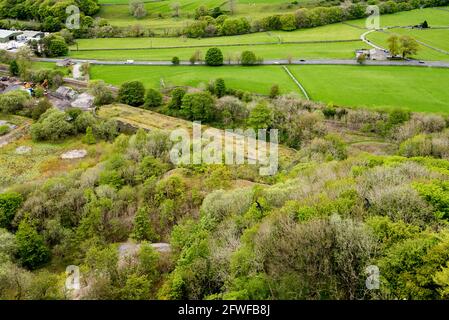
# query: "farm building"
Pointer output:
{"type": "Point", "coordinates": [8, 35]}
{"type": "Point", "coordinates": [30, 35]}
{"type": "Point", "coordinates": [373, 54]}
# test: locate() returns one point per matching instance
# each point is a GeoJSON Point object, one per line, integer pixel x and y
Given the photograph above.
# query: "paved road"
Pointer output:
{"type": "Point", "coordinates": [363, 38]}
{"type": "Point", "coordinates": [441, 64]}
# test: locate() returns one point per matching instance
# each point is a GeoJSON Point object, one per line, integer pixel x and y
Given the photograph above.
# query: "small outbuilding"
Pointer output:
{"type": "Point", "coordinates": [9, 35]}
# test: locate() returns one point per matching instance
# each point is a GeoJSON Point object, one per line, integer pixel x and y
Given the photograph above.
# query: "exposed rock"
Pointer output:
{"type": "Point", "coordinates": [84, 101]}
{"type": "Point", "coordinates": [66, 93]}
{"type": "Point", "coordinates": [74, 154]}
{"type": "Point", "coordinates": [23, 150]}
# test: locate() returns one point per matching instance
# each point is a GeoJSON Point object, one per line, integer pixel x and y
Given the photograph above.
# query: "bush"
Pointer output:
{"type": "Point", "coordinates": [42, 106]}
{"type": "Point", "coordinates": [14, 68]}
{"type": "Point", "coordinates": [219, 88]}
{"type": "Point", "coordinates": [214, 57]}
{"type": "Point", "coordinates": [261, 117]}
{"type": "Point", "coordinates": [13, 101]}
{"type": "Point", "coordinates": [198, 106]}
{"type": "Point", "coordinates": [132, 93]}
{"type": "Point", "coordinates": [4, 129]}
{"type": "Point", "coordinates": [176, 98]}
{"type": "Point", "coordinates": [175, 61]}
{"type": "Point", "coordinates": [420, 145]}
{"type": "Point", "coordinates": [32, 251]}
{"type": "Point", "coordinates": [9, 204]}
{"type": "Point", "coordinates": [52, 126]}
{"type": "Point", "coordinates": [153, 98]}
{"type": "Point", "coordinates": [274, 91]}
{"type": "Point", "coordinates": [248, 58]}
{"type": "Point", "coordinates": [103, 95]}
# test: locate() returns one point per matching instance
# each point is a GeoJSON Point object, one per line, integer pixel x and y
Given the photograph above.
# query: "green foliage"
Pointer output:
{"type": "Point", "coordinates": [198, 106]}
{"type": "Point", "coordinates": [176, 98]}
{"type": "Point", "coordinates": [153, 98]}
{"type": "Point", "coordinates": [261, 117]}
{"type": "Point", "coordinates": [214, 57]}
{"type": "Point", "coordinates": [274, 91]}
{"type": "Point", "coordinates": [132, 93]}
{"type": "Point", "coordinates": [31, 249]}
{"type": "Point", "coordinates": [248, 58]}
{"type": "Point", "coordinates": [13, 101]}
{"type": "Point", "coordinates": [436, 193]}
{"type": "Point", "coordinates": [9, 204]}
{"type": "Point", "coordinates": [89, 137]}
{"type": "Point", "coordinates": [219, 88]}
{"type": "Point", "coordinates": [52, 125]}
{"type": "Point", "coordinates": [142, 227]}
{"type": "Point", "coordinates": [175, 61]}
{"type": "Point", "coordinates": [4, 129]}
{"type": "Point", "coordinates": [14, 68]}
{"type": "Point", "coordinates": [103, 95]}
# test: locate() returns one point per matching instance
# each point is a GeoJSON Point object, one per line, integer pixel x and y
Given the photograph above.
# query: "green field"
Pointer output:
{"type": "Point", "coordinates": [434, 17]}
{"type": "Point", "coordinates": [413, 88]}
{"type": "Point", "coordinates": [336, 31]}
{"type": "Point", "coordinates": [436, 38]}
{"type": "Point", "coordinates": [338, 50]}
{"type": "Point", "coordinates": [255, 79]}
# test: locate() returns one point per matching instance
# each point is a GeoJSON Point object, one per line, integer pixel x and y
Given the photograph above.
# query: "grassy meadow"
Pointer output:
{"type": "Point", "coordinates": [256, 79]}
{"type": "Point", "coordinates": [414, 88]}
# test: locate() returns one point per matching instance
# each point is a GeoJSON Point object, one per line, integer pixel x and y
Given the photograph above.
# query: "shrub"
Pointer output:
{"type": "Point", "coordinates": [176, 98]}
{"type": "Point", "coordinates": [219, 88]}
{"type": "Point", "coordinates": [89, 137]}
{"type": "Point", "coordinates": [4, 129]}
{"type": "Point", "coordinates": [14, 68]}
{"type": "Point", "coordinates": [214, 57]}
{"type": "Point", "coordinates": [31, 249]}
{"type": "Point", "coordinates": [9, 204]}
{"type": "Point", "coordinates": [231, 110]}
{"type": "Point", "coordinates": [132, 93]}
{"type": "Point", "coordinates": [42, 106]}
{"type": "Point", "coordinates": [420, 145]}
{"type": "Point", "coordinates": [153, 98]}
{"type": "Point", "coordinates": [274, 91]}
{"type": "Point", "coordinates": [248, 58]}
{"type": "Point", "coordinates": [260, 117]}
{"type": "Point", "coordinates": [13, 101]}
{"type": "Point", "coordinates": [198, 106]}
{"type": "Point", "coordinates": [103, 95]}
{"type": "Point", "coordinates": [175, 61]}
{"type": "Point", "coordinates": [52, 126]}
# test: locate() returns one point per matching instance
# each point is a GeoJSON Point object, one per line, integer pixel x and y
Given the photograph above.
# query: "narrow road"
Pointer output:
{"type": "Point", "coordinates": [363, 38]}
{"type": "Point", "coordinates": [415, 63]}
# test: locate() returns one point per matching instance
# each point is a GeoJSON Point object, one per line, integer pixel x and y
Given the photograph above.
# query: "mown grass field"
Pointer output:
{"type": "Point", "coordinates": [414, 88]}
{"type": "Point", "coordinates": [337, 50]}
{"type": "Point", "coordinates": [254, 79]}
{"type": "Point", "coordinates": [436, 38]}
{"type": "Point", "coordinates": [434, 17]}
{"type": "Point", "coordinates": [336, 31]}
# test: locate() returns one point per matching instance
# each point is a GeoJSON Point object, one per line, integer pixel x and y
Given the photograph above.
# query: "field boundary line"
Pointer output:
{"type": "Point", "coordinates": [297, 82]}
